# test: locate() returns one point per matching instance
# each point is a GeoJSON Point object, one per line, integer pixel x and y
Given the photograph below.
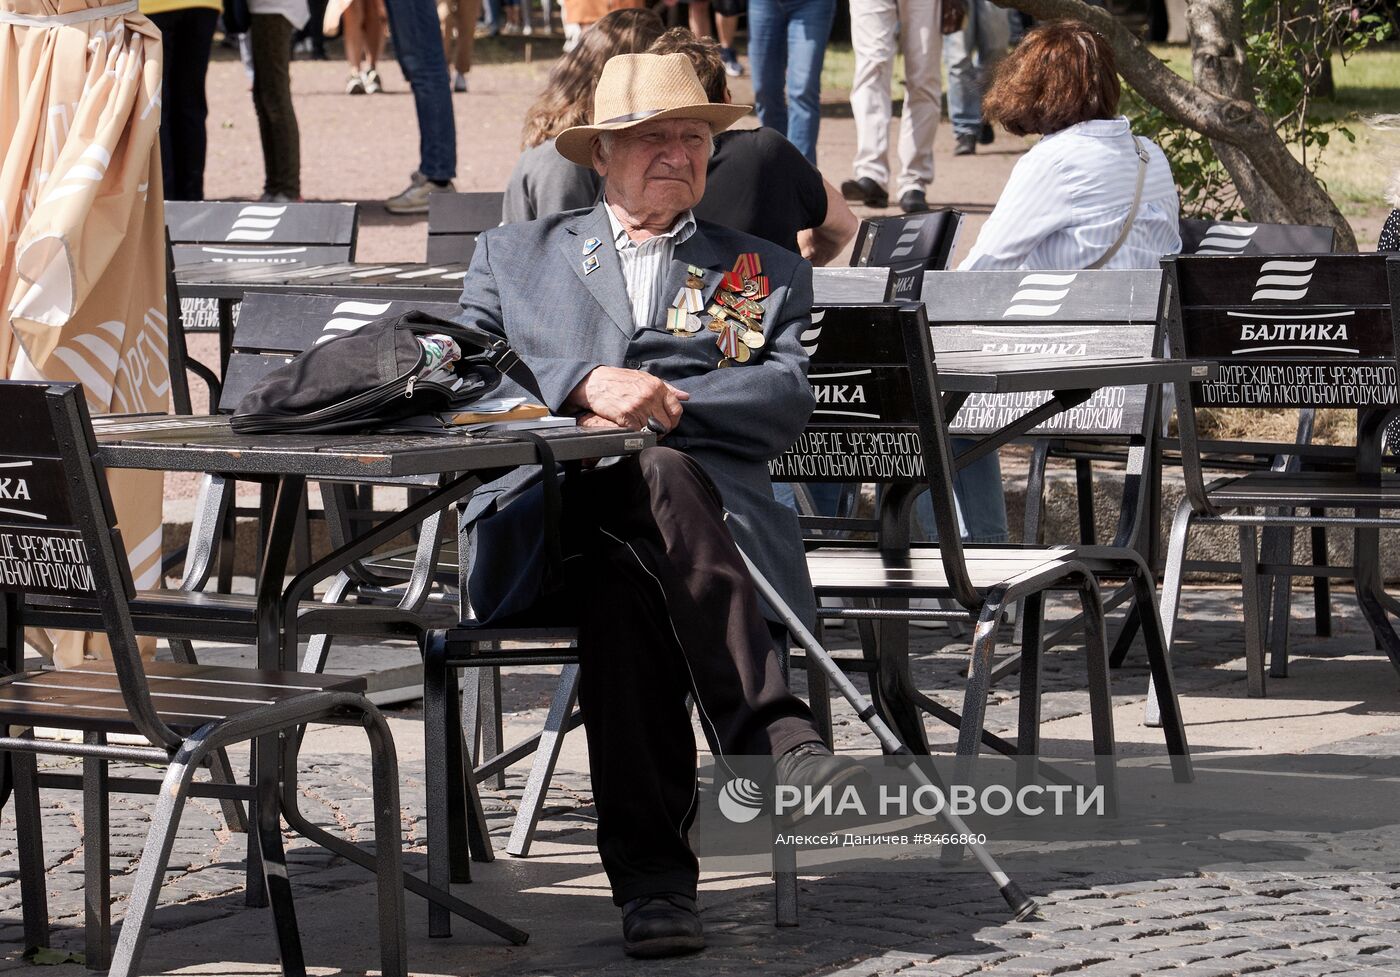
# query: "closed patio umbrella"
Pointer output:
{"type": "Point", "coordinates": [81, 230]}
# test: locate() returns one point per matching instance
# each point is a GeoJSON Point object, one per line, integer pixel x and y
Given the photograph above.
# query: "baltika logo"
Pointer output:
{"type": "Point", "coordinates": [741, 800]}
{"type": "Point", "coordinates": [1227, 239]}
{"type": "Point", "coordinates": [904, 244]}
{"type": "Point", "coordinates": [14, 489]}
{"type": "Point", "coordinates": [349, 316]}
{"type": "Point", "coordinates": [255, 223]}
{"type": "Point", "coordinates": [1283, 280]}
{"type": "Point", "coordinates": [809, 337]}
{"type": "Point", "coordinates": [1039, 295]}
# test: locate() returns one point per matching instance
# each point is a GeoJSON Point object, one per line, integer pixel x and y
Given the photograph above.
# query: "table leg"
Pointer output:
{"type": "Point", "coordinates": [225, 335]}
{"type": "Point", "coordinates": [271, 574]}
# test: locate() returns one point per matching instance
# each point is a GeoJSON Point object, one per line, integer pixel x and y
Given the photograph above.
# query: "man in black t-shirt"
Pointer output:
{"type": "Point", "coordinates": [759, 182]}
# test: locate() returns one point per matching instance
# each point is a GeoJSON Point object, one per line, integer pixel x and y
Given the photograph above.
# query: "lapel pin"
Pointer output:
{"type": "Point", "coordinates": [591, 245]}
{"type": "Point", "coordinates": [590, 264]}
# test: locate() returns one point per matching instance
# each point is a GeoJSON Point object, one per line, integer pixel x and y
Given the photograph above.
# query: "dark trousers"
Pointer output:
{"type": "Point", "coordinates": [665, 609]}
{"type": "Point", "coordinates": [272, 98]}
{"type": "Point", "coordinates": [186, 36]}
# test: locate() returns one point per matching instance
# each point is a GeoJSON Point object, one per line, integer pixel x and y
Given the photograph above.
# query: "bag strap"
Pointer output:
{"type": "Point", "coordinates": [1107, 256]}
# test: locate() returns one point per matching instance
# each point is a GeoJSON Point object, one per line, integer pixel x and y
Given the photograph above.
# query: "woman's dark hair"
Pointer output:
{"type": "Point", "coordinates": [703, 52]}
{"type": "Point", "coordinates": [1060, 74]}
{"type": "Point", "coordinates": [567, 99]}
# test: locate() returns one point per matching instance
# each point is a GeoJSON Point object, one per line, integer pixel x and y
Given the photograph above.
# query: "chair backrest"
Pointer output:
{"type": "Point", "coordinates": [845, 285]}
{"type": "Point", "coordinates": [58, 531]}
{"type": "Point", "coordinates": [908, 245]}
{"type": "Point", "coordinates": [258, 234]}
{"type": "Point", "coordinates": [1305, 331]}
{"type": "Point", "coordinates": [878, 418]}
{"type": "Point", "coordinates": [272, 329]}
{"type": "Point", "coordinates": [455, 220]}
{"type": "Point", "coordinates": [1240, 237]}
{"type": "Point", "coordinates": [1055, 314]}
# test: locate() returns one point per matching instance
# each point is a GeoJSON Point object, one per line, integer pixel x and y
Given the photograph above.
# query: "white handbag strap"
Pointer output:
{"type": "Point", "coordinates": [1107, 256]}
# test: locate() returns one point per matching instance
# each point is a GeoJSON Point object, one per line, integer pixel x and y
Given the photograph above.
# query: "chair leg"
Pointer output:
{"type": "Point", "coordinates": [97, 861]}
{"type": "Point", "coordinates": [492, 722]}
{"type": "Point", "coordinates": [1084, 495]}
{"type": "Point", "coordinates": [1100, 690]}
{"type": "Point", "coordinates": [1132, 623]}
{"type": "Point", "coordinates": [1171, 595]}
{"type": "Point", "coordinates": [29, 831]}
{"type": "Point", "coordinates": [1253, 610]}
{"type": "Point", "coordinates": [1322, 586]}
{"type": "Point", "coordinates": [220, 769]}
{"type": "Point", "coordinates": [274, 864]}
{"type": "Point", "coordinates": [522, 833]}
{"type": "Point", "coordinates": [388, 846]}
{"type": "Point", "coordinates": [150, 871]}
{"type": "Point", "coordinates": [438, 684]}
{"type": "Point", "coordinates": [819, 698]}
{"type": "Point", "coordinates": [1278, 605]}
{"type": "Point", "coordinates": [1162, 681]}
{"type": "Point", "coordinates": [1028, 721]}
{"type": "Point", "coordinates": [784, 885]}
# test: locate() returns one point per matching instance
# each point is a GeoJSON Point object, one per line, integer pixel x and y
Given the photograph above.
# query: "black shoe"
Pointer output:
{"type": "Point", "coordinates": [813, 766]}
{"type": "Point", "coordinates": [913, 202]}
{"type": "Point", "coordinates": [965, 144]}
{"type": "Point", "coordinates": [664, 925]}
{"type": "Point", "coordinates": [987, 134]}
{"type": "Point", "coordinates": [865, 191]}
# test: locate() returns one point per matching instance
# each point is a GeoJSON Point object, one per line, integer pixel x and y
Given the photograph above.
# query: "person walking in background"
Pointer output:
{"type": "Point", "coordinates": [726, 27]}
{"type": "Point", "coordinates": [787, 45]}
{"type": "Point", "coordinates": [418, 46]}
{"type": "Point", "coordinates": [186, 36]}
{"type": "Point", "coordinates": [274, 23]}
{"type": "Point", "coordinates": [458, 21]}
{"type": "Point", "coordinates": [875, 25]}
{"type": "Point", "coordinates": [968, 55]}
{"type": "Point", "coordinates": [543, 182]}
{"type": "Point", "coordinates": [363, 23]}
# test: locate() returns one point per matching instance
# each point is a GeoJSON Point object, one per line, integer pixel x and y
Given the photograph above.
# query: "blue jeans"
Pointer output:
{"type": "Point", "coordinates": [825, 496]}
{"type": "Point", "coordinates": [968, 55]}
{"type": "Point", "coordinates": [981, 503]}
{"type": "Point", "coordinates": [787, 43]}
{"type": "Point", "coordinates": [418, 46]}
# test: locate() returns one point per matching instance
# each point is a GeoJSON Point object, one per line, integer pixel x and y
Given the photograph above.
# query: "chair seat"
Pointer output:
{"type": "Point", "coordinates": [860, 571]}
{"type": "Point", "coordinates": [1329, 490]}
{"type": "Point", "coordinates": [186, 697]}
{"type": "Point", "coordinates": [233, 617]}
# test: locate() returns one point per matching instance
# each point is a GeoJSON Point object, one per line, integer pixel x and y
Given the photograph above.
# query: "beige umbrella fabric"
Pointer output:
{"type": "Point", "coordinates": [82, 283]}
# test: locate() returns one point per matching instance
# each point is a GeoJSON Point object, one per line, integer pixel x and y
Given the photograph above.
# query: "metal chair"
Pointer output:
{"type": "Point", "coordinates": [1288, 332]}
{"type": "Point", "coordinates": [456, 220]}
{"type": "Point", "coordinates": [74, 568]}
{"type": "Point", "coordinates": [880, 413]}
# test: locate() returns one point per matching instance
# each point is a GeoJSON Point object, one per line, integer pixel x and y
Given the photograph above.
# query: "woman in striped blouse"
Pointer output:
{"type": "Point", "coordinates": [1070, 197]}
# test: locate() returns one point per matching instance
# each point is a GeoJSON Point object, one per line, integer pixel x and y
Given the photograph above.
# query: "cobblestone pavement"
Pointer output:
{"type": "Point", "coordinates": [1096, 921]}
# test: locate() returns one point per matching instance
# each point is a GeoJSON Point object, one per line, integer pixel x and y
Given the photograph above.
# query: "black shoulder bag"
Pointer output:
{"type": "Point", "coordinates": [375, 376]}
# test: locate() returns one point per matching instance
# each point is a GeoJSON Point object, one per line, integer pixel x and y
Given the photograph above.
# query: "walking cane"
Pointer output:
{"type": "Point", "coordinates": [1022, 906]}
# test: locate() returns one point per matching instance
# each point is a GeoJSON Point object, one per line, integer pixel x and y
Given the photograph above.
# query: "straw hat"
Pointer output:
{"type": "Point", "coordinates": [637, 88]}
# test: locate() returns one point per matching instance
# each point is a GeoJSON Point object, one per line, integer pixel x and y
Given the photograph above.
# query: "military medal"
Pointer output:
{"type": "Point", "coordinates": [676, 321]}
{"type": "Point", "coordinates": [748, 266]}
{"type": "Point", "coordinates": [591, 245]}
{"type": "Point", "coordinates": [728, 342]}
{"type": "Point", "coordinates": [753, 339]}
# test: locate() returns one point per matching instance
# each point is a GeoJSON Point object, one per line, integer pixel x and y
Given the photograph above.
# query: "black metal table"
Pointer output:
{"type": "Point", "coordinates": [1071, 380]}
{"type": "Point", "coordinates": [464, 461]}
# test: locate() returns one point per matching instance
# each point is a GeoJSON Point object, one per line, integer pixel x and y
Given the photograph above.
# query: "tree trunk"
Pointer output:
{"type": "Point", "coordinates": [1273, 185]}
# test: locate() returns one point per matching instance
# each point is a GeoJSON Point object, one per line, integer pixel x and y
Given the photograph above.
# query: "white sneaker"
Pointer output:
{"type": "Point", "coordinates": [355, 85]}
{"type": "Point", "coordinates": [414, 198]}
{"type": "Point", "coordinates": [373, 86]}
{"type": "Point", "coordinates": [459, 82]}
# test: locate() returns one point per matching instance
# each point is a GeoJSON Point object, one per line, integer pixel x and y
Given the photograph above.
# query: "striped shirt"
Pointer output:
{"type": "Point", "coordinates": [1068, 198]}
{"type": "Point", "coordinates": [645, 265]}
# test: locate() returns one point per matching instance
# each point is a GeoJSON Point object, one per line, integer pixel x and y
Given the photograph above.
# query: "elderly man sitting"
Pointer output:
{"type": "Point", "coordinates": [634, 314]}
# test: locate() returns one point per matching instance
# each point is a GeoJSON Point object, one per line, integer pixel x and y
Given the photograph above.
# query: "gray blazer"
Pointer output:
{"type": "Point", "coordinates": [527, 283]}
